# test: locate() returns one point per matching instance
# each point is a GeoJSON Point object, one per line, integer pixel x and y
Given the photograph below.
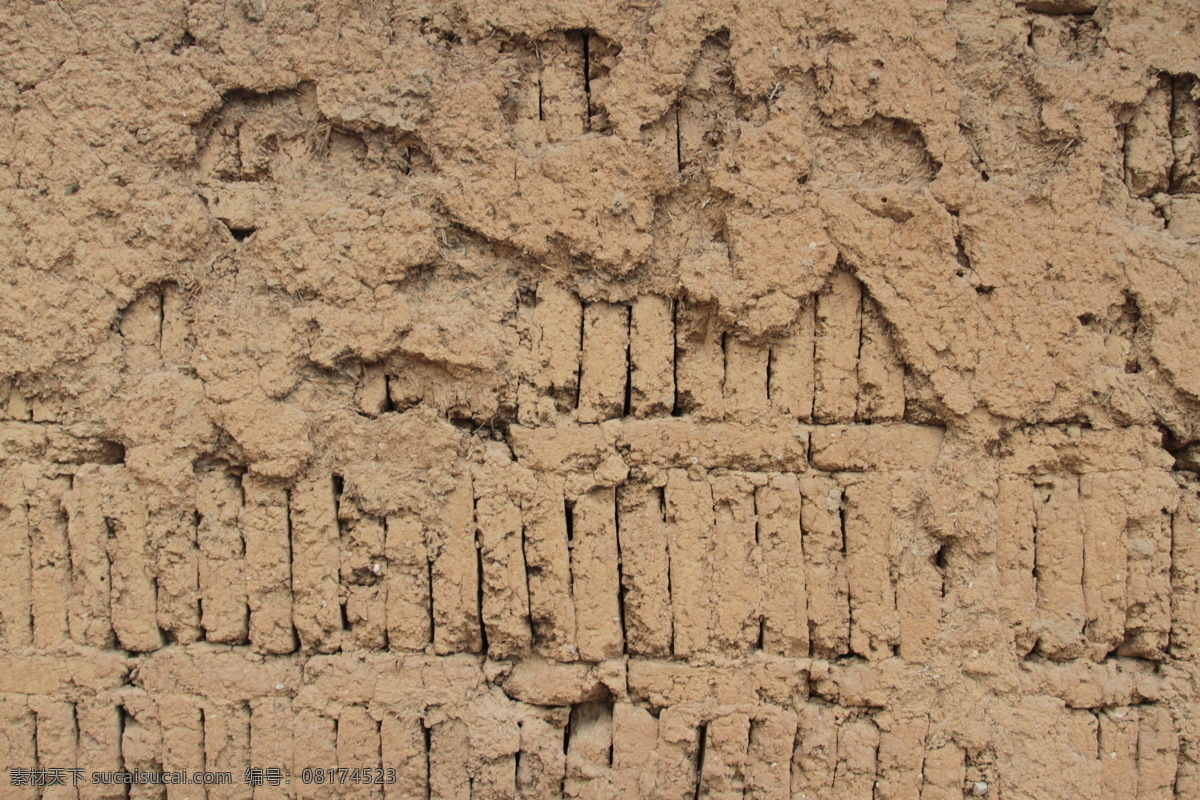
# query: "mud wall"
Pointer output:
{"type": "Point", "coordinates": [664, 399]}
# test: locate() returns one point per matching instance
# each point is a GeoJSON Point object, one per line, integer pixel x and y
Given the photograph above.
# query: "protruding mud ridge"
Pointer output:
{"type": "Point", "coordinates": [640, 399]}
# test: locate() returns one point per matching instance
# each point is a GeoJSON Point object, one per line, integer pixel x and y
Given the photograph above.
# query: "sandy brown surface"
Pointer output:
{"type": "Point", "coordinates": [666, 399]}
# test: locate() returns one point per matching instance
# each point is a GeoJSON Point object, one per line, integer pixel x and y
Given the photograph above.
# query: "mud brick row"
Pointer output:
{"type": "Point", "coordinates": [1085, 562]}
{"type": "Point", "coordinates": [1162, 139]}
{"type": "Point", "coordinates": [664, 538]}
{"type": "Point", "coordinates": [656, 357]}
{"type": "Point", "coordinates": [453, 727]}
{"type": "Point", "coordinates": [512, 563]}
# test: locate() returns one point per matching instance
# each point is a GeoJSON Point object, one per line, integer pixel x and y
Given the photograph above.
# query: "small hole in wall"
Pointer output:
{"type": "Point", "coordinates": [983, 174]}
{"type": "Point", "coordinates": [239, 234]}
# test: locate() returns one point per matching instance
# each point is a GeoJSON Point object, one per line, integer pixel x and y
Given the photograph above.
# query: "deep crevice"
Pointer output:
{"type": "Point", "coordinates": [675, 410]}
{"type": "Point", "coordinates": [678, 142]}
{"type": "Point", "coordinates": [620, 576]}
{"type": "Point", "coordinates": [628, 409]}
{"type": "Point", "coordinates": [940, 561]}
{"type": "Point", "coordinates": [587, 78]}
{"type": "Point", "coordinates": [287, 496]}
{"type": "Point", "coordinates": [479, 577]}
{"type": "Point", "coordinates": [770, 370]}
{"type": "Point", "coordinates": [579, 366]}
{"type": "Point", "coordinates": [122, 724]}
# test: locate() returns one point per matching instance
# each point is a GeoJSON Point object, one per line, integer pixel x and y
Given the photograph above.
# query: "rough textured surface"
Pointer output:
{"type": "Point", "coordinates": [622, 399]}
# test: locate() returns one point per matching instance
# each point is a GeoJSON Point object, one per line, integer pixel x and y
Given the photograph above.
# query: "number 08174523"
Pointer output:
{"type": "Point", "coordinates": [342, 775]}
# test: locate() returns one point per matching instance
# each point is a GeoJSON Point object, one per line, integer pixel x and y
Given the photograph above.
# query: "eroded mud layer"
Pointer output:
{"type": "Point", "coordinates": [637, 399]}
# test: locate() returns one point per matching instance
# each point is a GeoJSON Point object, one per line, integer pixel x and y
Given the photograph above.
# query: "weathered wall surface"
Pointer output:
{"type": "Point", "coordinates": [624, 399]}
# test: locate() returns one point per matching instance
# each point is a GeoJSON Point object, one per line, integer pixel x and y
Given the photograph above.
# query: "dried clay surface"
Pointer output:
{"type": "Point", "coordinates": [664, 399]}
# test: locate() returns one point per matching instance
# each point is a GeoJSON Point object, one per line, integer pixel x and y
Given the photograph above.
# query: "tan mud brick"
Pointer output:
{"type": "Point", "coordinates": [784, 594]}
{"type": "Point", "coordinates": [825, 574]}
{"type": "Point", "coordinates": [402, 737]}
{"type": "Point", "coordinates": [1015, 560]}
{"type": "Point", "coordinates": [495, 778]}
{"type": "Point", "coordinates": [564, 99]}
{"type": "Point", "coordinates": [944, 772]}
{"type": "Point", "coordinates": [652, 356]}
{"type": "Point", "coordinates": [456, 622]}
{"type": "Point", "coordinates": [723, 775]}
{"type": "Point", "coordinates": [222, 558]}
{"type": "Point", "coordinates": [645, 569]}
{"type": "Point", "coordinates": [1157, 753]}
{"type": "Point", "coordinates": [227, 747]}
{"type": "Point", "coordinates": [272, 725]}
{"type": "Point", "coordinates": [737, 583]}
{"type": "Point", "coordinates": [676, 755]}
{"type": "Point", "coordinates": [133, 586]}
{"type": "Point", "coordinates": [793, 374]}
{"type": "Point", "coordinates": [880, 370]}
{"type": "Point", "coordinates": [901, 756]}
{"type": "Point", "coordinates": [1185, 570]}
{"type": "Point", "coordinates": [814, 761]}
{"type": "Point", "coordinates": [173, 537]}
{"type": "Point", "coordinates": [176, 326]}
{"type": "Point", "coordinates": [56, 742]}
{"type": "Point", "coordinates": [595, 580]}
{"type": "Point", "coordinates": [920, 586]}
{"type": "Point", "coordinates": [316, 607]}
{"type": "Point", "coordinates": [358, 748]}
{"type": "Point", "coordinates": [718, 445]}
{"type": "Point", "coordinates": [1151, 497]}
{"type": "Point", "coordinates": [100, 726]}
{"type": "Point", "coordinates": [1058, 555]}
{"type": "Point", "coordinates": [879, 447]}
{"type": "Point", "coordinates": [16, 613]}
{"type": "Point", "coordinates": [183, 743]}
{"type": "Point", "coordinates": [1148, 155]}
{"type": "Point", "coordinates": [505, 590]}
{"type": "Point", "coordinates": [372, 394]}
{"type": "Point", "coordinates": [268, 569]}
{"type": "Point", "coordinates": [1185, 134]}
{"type": "Point", "coordinates": [1104, 560]}
{"type": "Point", "coordinates": [548, 562]}
{"type": "Point", "coordinates": [746, 376]}
{"type": "Point", "coordinates": [542, 769]}
{"type": "Point", "coordinates": [141, 742]}
{"type": "Point", "coordinates": [589, 752]}
{"type": "Point", "coordinates": [604, 367]}
{"type": "Point", "coordinates": [690, 524]}
{"type": "Point", "coordinates": [448, 741]}
{"type": "Point", "coordinates": [553, 327]}
{"type": "Point", "coordinates": [315, 748]}
{"type": "Point", "coordinates": [1118, 748]}
{"type": "Point", "coordinates": [18, 743]}
{"type": "Point", "coordinates": [769, 756]}
{"type": "Point", "coordinates": [49, 561]}
{"type": "Point", "coordinates": [634, 736]}
{"type": "Point", "coordinates": [874, 625]}
{"type": "Point", "coordinates": [857, 749]}
{"type": "Point", "coordinates": [140, 326]}
{"type": "Point", "coordinates": [409, 578]}
{"type": "Point", "coordinates": [838, 317]}
{"type": "Point", "coordinates": [362, 577]}
{"type": "Point", "coordinates": [699, 362]}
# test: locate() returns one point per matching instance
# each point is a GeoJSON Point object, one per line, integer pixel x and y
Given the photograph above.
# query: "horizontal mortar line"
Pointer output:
{"type": "Point", "coordinates": [684, 443]}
